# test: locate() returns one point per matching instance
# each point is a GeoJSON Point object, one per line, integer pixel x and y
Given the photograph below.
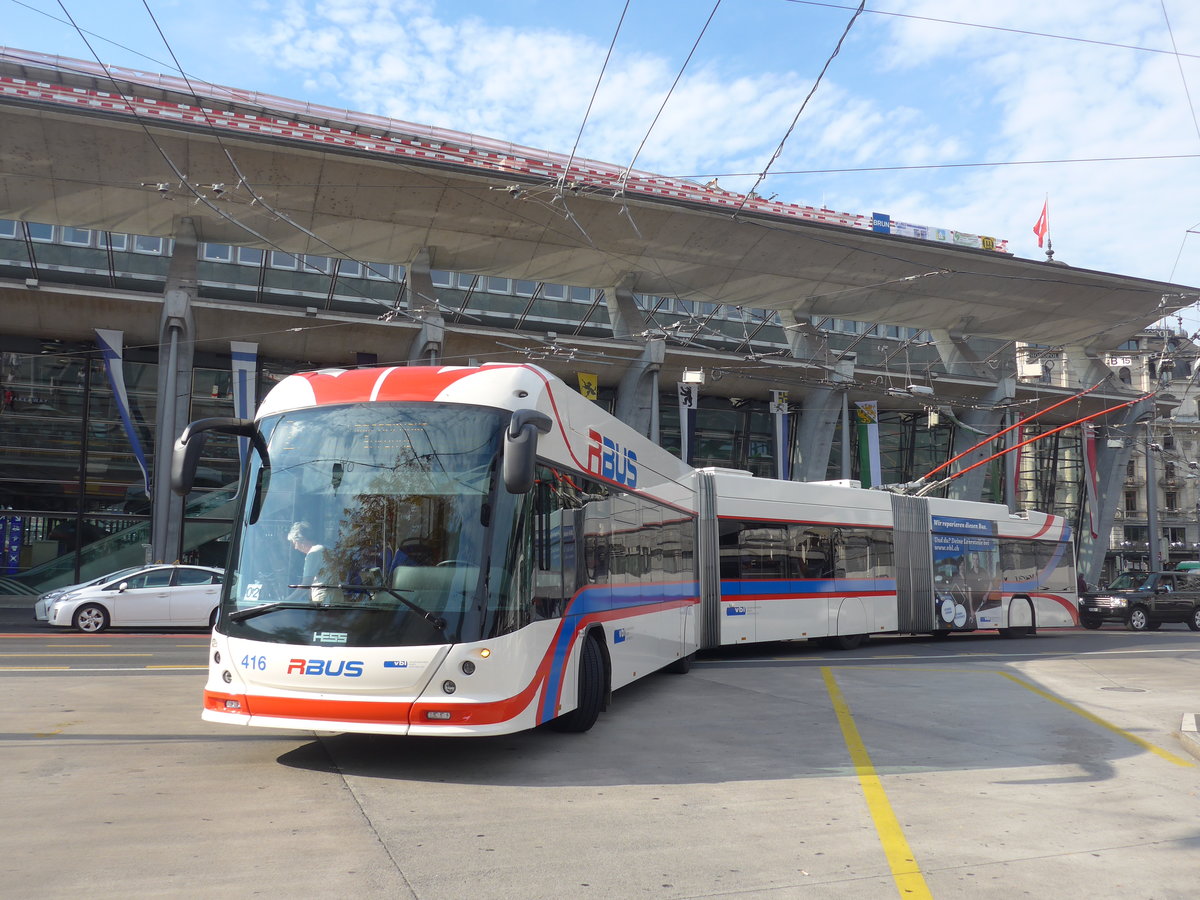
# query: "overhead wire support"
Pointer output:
{"type": "Point", "coordinates": [1027, 419]}
{"type": "Point", "coordinates": [629, 168]}
{"type": "Point", "coordinates": [779, 150]}
{"type": "Point", "coordinates": [929, 488]}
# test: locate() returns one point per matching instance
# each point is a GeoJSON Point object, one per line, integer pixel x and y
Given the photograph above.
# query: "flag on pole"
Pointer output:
{"type": "Point", "coordinates": [244, 364]}
{"type": "Point", "coordinates": [868, 443]}
{"type": "Point", "coordinates": [1091, 480]}
{"type": "Point", "coordinates": [1043, 223]}
{"type": "Point", "coordinates": [111, 344]}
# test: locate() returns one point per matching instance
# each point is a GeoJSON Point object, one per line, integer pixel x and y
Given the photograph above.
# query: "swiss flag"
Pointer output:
{"type": "Point", "coordinates": [1043, 223]}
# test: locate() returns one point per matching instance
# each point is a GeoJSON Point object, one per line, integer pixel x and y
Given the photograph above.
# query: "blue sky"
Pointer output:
{"type": "Point", "coordinates": [1010, 83]}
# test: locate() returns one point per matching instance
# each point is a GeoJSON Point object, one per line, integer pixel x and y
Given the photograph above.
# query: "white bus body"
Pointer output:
{"type": "Point", "coordinates": [447, 602]}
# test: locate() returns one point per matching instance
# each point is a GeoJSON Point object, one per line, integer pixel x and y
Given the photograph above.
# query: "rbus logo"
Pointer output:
{"type": "Point", "coordinates": [349, 669]}
{"type": "Point", "coordinates": [606, 459]}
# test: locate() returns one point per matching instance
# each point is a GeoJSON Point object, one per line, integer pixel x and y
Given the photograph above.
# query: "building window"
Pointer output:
{"type": "Point", "coordinates": [1130, 469]}
{"type": "Point", "coordinates": [320, 264]}
{"type": "Point", "coordinates": [216, 252]}
{"type": "Point", "coordinates": [249, 256]}
{"type": "Point", "coordinates": [1172, 499]}
{"type": "Point", "coordinates": [350, 268]}
{"type": "Point", "coordinates": [524, 288]}
{"type": "Point", "coordinates": [1169, 442]}
{"type": "Point", "coordinates": [144, 243]}
{"type": "Point", "coordinates": [494, 285]}
{"type": "Point", "coordinates": [41, 232]}
{"type": "Point", "coordinates": [77, 237]}
{"type": "Point", "coordinates": [114, 240]}
{"type": "Point", "coordinates": [8, 228]}
{"type": "Point", "coordinates": [1131, 503]}
{"type": "Point", "coordinates": [281, 260]}
{"type": "Point", "coordinates": [464, 281]}
{"type": "Point", "coordinates": [439, 277]}
{"type": "Point", "coordinates": [1137, 533]}
{"type": "Point", "coordinates": [379, 271]}
{"type": "Point", "coordinates": [1169, 470]}
{"type": "Point", "coordinates": [554, 291]}
{"type": "Point", "coordinates": [1124, 375]}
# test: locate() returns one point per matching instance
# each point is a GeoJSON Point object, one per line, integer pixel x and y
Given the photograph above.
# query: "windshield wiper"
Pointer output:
{"type": "Point", "coordinates": [435, 620]}
{"type": "Point", "coordinates": [242, 614]}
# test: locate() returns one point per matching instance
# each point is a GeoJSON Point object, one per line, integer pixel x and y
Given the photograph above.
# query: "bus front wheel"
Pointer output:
{"type": "Point", "coordinates": [591, 692]}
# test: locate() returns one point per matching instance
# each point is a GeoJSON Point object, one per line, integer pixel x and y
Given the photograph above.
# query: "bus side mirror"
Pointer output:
{"type": "Point", "coordinates": [186, 454]}
{"type": "Point", "coordinates": [520, 448]}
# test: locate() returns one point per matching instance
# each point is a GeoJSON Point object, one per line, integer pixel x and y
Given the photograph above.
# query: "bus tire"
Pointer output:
{"type": "Point", "coordinates": [845, 641]}
{"type": "Point", "coordinates": [591, 692]}
{"type": "Point", "coordinates": [1016, 631]}
{"type": "Point", "coordinates": [681, 666]}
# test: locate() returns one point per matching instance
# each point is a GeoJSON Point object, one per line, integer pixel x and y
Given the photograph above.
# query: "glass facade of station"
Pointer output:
{"type": "Point", "coordinates": [73, 496]}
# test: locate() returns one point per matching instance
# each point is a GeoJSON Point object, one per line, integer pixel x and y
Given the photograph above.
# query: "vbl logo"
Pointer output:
{"type": "Point", "coordinates": [351, 669]}
{"type": "Point", "coordinates": [606, 459]}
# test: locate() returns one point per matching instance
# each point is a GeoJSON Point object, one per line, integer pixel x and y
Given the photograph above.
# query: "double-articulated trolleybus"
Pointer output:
{"type": "Point", "coordinates": [475, 551]}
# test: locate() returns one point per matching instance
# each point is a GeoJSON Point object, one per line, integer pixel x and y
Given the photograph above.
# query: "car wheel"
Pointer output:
{"type": "Point", "coordinates": [90, 618]}
{"type": "Point", "coordinates": [1139, 619]}
{"type": "Point", "coordinates": [1091, 622]}
{"type": "Point", "coordinates": [1194, 622]}
{"type": "Point", "coordinates": [591, 692]}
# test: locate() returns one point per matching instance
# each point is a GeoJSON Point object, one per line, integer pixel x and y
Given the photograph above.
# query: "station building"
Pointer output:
{"type": "Point", "coordinates": [167, 257]}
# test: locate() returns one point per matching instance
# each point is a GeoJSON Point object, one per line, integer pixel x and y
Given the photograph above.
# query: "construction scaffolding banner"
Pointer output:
{"type": "Point", "coordinates": [244, 363]}
{"type": "Point", "coordinates": [112, 344]}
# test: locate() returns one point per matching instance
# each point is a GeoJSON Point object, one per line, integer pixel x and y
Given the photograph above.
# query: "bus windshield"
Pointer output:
{"type": "Point", "coordinates": [375, 524]}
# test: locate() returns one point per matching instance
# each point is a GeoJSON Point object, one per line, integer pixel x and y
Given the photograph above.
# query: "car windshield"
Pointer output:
{"type": "Point", "coordinates": [374, 522]}
{"type": "Point", "coordinates": [1132, 581]}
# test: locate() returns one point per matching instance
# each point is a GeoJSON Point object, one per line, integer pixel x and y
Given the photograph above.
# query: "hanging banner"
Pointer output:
{"type": "Point", "coordinates": [111, 344]}
{"type": "Point", "coordinates": [12, 534]}
{"type": "Point", "coordinates": [589, 385]}
{"type": "Point", "coordinates": [780, 420]}
{"type": "Point", "coordinates": [1090, 481]}
{"type": "Point", "coordinates": [868, 443]}
{"type": "Point", "coordinates": [689, 397]}
{"type": "Point", "coordinates": [244, 363]}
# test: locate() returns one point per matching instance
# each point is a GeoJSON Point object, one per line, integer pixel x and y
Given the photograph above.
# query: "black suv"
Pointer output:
{"type": "Point", "coordinates": [1143, 601]}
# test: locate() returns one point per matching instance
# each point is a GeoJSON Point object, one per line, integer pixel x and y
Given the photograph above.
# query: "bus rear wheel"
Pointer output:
{"type": "Point", "coordinates": [591, 692]}
{"type": "Point", "coordinates": [1022, 610]}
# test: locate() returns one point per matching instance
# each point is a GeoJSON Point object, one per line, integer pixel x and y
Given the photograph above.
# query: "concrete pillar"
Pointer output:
{"type": "Point", "coordinates": [974, 425]}
{"type": "Point", "coordinates": [1114, 449]}
{"type": "Point", "coordinates": [626, 319]}
{"type": "Point", "coordinates": [637, 394]}
{"type": "Point", "coordinates": [428, 344]}
{"type": "Point", "coordinates": [176, 339]}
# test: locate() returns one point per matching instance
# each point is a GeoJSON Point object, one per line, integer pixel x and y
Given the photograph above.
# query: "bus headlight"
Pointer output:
{"type": "Point", "coordinates": [449, 686]}
{"type": "Point", "coordinates": [468, 667]}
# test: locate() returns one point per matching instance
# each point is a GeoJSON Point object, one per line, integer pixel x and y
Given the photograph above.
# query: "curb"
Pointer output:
{"type": "Point", "coordinates": [1189, 735]}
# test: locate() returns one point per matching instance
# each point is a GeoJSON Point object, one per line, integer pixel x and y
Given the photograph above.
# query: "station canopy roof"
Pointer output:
{"type": "Point", "coordinates": [127, 151]}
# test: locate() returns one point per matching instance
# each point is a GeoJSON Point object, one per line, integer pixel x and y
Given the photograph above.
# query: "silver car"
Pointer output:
{"type": "Point", "coordinates": [150, 596]}
{"type": "Point", "coordinates": [41, 609]}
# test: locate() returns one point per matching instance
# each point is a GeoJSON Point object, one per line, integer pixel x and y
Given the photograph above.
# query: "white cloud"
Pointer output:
{"type": "Point", "coordinates": [904, 92]}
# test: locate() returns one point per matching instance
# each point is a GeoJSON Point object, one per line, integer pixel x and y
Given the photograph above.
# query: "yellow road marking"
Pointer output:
{"type": "Point", "coordinates": [905, 871]}
{"type": "Point", "coordinates": [1092, 717]}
